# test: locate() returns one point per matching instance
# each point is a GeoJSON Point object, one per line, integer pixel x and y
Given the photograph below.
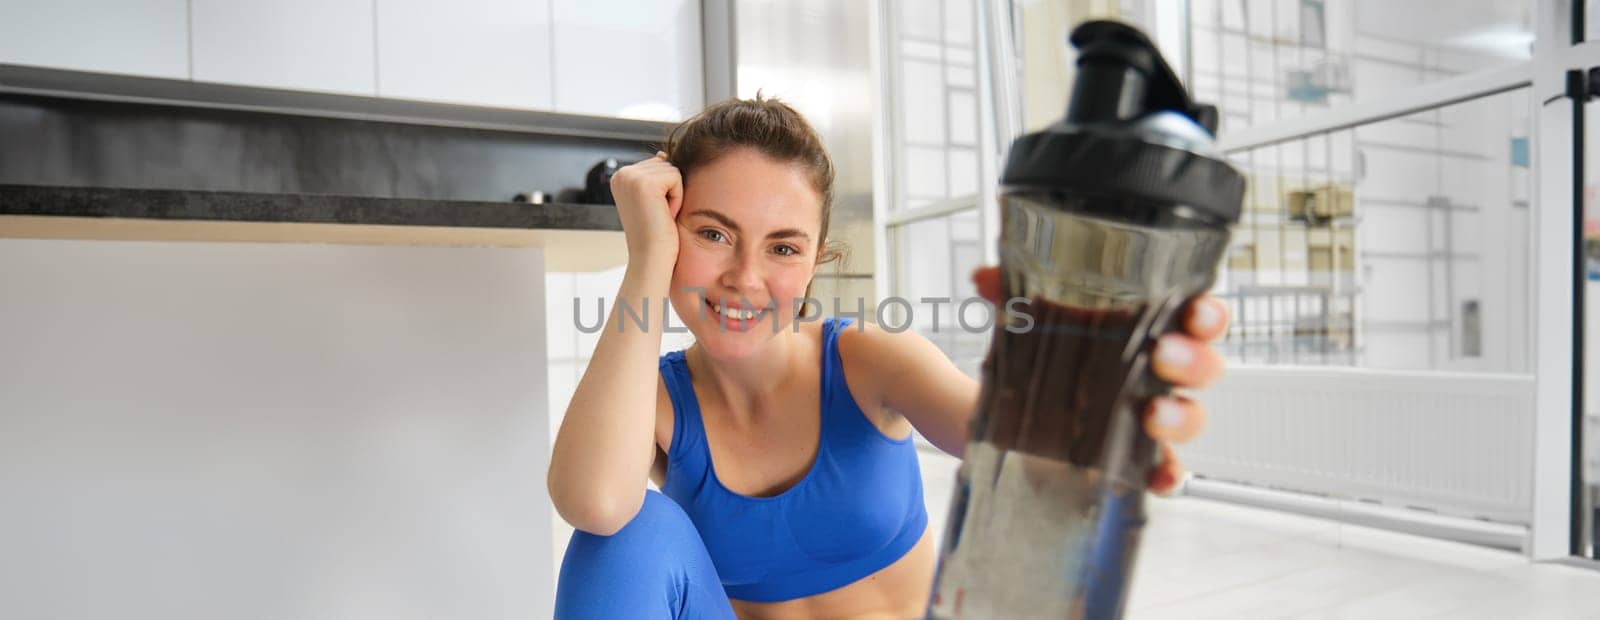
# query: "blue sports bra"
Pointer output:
{"type": "Point", "coordinates": [855, 512]}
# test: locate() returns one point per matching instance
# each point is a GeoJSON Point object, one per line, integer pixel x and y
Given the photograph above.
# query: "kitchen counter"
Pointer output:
{"type": "Point", "coordinates": [284, 377]}
{"type": "Point", "coordinates": [574, 237]}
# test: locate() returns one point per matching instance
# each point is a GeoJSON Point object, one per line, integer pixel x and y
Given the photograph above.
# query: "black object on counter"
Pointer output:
{"type": "Point", "coordinates": [597, 184]}
{"type": "Point", "coordinates": [534, 197]}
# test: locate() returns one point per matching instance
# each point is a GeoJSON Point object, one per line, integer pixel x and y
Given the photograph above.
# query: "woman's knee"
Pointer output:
{"type": "Point", "coordinates": [657, 542]}
{"type": "Point", "coordinates": [659, 520]}
{"type": "Point", "coordinates": [660, 513]}
{"type": "Point", "coordinates": [655, 564]}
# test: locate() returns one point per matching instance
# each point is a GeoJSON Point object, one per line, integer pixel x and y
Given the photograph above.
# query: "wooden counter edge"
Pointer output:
{"type": "Point", "coordinates": [565, 250]}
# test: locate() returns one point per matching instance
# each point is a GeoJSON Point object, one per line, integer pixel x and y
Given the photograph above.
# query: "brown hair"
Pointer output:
{"type": "Point", "coordinates": [768, 126]}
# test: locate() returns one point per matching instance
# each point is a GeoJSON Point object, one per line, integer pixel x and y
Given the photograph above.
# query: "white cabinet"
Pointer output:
{"type": "Point", "coordinates": [317, 45]}
{"type": "Point", "coordinates": [481, 52]}
{"type": "Point", "coordinates": [610, 58]}
{"type": "Point", "coordinates": [227, 437]}
{"type": "Point", "coordinates": [136, 37]}
{"type": "Point", "coordinates": [628, 59]}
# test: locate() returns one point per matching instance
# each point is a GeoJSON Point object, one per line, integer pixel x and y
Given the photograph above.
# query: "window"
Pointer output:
{"type": "Point", "coordinates": [1399, 244]}
{"type": "Point", "coordinates": [1264, 61]}
{"type": "Point", "coordinates": [933, 227]}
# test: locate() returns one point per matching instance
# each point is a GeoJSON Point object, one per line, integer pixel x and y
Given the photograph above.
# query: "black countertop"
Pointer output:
{"type": "Point", "coordinates": [159, 204]}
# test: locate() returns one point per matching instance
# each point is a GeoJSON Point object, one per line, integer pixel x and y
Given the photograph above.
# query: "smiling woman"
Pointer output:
{"type": "Point", "coordinates": [781, 443]}
{"type": "Point", "coordinates": [774, 130]}
{"type": "Point", "coordinates": [758, 269]}
{"type": "Point", "coordinates": [790, 488]}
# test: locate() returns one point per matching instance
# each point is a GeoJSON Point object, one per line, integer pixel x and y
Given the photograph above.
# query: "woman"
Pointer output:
{"type": "Point", "coordinates": [790, 487]}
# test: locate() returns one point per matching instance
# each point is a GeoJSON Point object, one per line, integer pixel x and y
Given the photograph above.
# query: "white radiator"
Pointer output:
{"type": "Point", "coordinates": [1451, 443]}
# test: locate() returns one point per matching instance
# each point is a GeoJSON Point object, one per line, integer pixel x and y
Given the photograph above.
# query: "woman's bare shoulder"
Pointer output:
{"type": "Point", "coordinates": [869, 342]}
{"type": "Point", "coordinates": [905, 373]}
{"type": "Point", "coordinates": [872, 355]}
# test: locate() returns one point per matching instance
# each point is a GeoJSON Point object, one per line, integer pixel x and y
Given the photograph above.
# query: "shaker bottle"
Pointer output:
{"type": "Point", "coordinates": [1111, 220]}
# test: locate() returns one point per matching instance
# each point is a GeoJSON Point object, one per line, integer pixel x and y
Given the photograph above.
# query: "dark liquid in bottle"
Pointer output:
{"type": "Point", "coordinates": [1049, 502]}
{"type": "Point", "coordinates": [1053, 391]}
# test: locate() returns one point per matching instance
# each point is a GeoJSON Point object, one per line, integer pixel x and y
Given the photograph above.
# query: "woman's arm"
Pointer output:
{"type": "Point", "coordinates": [604, 450]}
{"type": "Point", "coordinates": [916, 380]}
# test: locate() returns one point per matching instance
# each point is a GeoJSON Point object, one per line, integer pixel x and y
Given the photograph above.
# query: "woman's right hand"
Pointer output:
{"type": "Point", "coordinates": [648, 195]}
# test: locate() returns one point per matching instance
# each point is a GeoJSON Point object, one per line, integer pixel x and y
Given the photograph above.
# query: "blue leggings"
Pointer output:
{"type": "Point", "coordinates": [655, 567]}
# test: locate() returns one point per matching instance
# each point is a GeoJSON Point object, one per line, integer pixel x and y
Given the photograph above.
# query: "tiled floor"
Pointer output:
{"type": "Point", "coordinates": [1204, 559]}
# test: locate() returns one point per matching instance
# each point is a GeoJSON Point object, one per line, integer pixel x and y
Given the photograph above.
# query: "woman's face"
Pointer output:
{"type": "Point", "coordinates": [747, 247]}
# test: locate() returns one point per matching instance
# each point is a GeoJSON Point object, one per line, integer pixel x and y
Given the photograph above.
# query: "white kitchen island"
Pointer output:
{"type": "Point", "coordinates": [249, 419]}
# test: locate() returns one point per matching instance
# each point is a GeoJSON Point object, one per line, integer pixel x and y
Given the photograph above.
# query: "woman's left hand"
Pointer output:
{"type": "Point", "coordinates": [1183, 359]}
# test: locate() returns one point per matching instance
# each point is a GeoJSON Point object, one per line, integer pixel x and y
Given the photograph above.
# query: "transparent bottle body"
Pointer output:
{"type": "Point", "coordinates": [1049, 500]}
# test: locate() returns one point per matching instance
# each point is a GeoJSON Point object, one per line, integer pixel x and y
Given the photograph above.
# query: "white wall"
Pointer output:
{"type": "Point", "coordinates": [209, 430]}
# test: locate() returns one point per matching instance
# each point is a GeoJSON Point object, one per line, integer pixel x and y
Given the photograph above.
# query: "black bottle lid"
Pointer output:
{"type": "Point", "coordinates": [1100, 150]}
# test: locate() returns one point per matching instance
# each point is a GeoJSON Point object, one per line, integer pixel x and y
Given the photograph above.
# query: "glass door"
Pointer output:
{"type": "Point", "coordinates": [1586, 213]}
{"type": "Point", "coordinates": [1586, 447]}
